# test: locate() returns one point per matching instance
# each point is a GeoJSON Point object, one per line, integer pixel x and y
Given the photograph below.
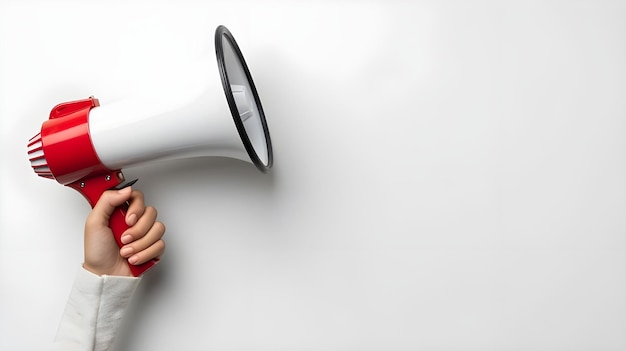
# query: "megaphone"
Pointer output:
{"type": "Point", "coordinates": [85, 146]}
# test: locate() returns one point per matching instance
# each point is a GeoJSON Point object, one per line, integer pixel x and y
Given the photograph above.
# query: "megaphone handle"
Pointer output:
{"type": "Point", "coordinates": [118, 226]}
{"type": "Point", "coordinates": [91, 188]}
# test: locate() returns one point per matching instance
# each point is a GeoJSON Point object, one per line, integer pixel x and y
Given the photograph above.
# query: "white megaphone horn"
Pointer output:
{"type": "Point", "coordinates": [85, 146]}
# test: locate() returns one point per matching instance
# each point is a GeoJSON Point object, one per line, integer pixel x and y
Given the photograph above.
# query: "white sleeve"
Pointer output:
{"type": "Point", "coordinates": [94, 311]}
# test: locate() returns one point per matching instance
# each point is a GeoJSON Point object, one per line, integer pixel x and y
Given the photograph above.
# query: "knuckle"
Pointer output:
{"type": "Point", "coordinates": [160, 247]}
{"type": "Point", "coordinates": [90, 220]}
{"type": "Point", "coordinates": [152, 210]}
{"type": "Point", "coordinates": [160, 226]}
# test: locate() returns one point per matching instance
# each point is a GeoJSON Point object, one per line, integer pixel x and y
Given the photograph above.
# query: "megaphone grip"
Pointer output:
{"type": "Point", "coordinates": [118, 226]}
{"type": "Point", "coordinates": [92, 188]}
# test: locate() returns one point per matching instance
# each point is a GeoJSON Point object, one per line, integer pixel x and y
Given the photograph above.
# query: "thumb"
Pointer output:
{"type": "Point", "coordinates": [107, 203]}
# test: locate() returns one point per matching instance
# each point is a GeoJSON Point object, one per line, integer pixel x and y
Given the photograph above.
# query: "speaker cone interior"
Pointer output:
{"type": "Point", "coordinates": [243, 99]}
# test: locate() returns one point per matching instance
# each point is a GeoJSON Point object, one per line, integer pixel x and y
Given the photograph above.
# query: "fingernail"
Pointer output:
{"type": "Point", "coordinates": [132, 219]}
{"type": "Point", "coordinates": [133, 259]}
{"type": "Point", "coordinates": [126, 251]}
{"type": "Point", "coordinates": [123, 190]}
{"type": "Point", "coordinates": [126, 239]}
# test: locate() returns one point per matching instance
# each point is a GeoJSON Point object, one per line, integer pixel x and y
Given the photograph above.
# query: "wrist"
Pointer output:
{"type": "Point", "coordinates": [120, 271]}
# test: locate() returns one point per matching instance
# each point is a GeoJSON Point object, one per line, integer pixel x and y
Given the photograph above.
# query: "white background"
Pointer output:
{"type": "Point", "coordinates": [449, 175]}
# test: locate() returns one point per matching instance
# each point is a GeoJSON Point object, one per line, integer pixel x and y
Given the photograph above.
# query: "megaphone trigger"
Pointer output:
{"type": "Point", "coordinates": [124, 185]}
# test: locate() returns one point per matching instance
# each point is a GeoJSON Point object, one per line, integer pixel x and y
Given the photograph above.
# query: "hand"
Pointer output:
{"type": "Point", "coordinates": [142, 241]}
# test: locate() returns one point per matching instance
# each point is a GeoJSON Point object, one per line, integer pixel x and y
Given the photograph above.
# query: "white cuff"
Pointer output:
{"type": "Point", "coordinates": [94, 311]}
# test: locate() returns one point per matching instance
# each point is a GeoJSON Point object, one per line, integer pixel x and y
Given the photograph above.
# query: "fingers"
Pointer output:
{"type": "Point", "coordinates": [142, 225]}
{"type": "Point", "coordinates": [154, 251]}
{"type": "Point", "coordinates": [135, 208]}
{"type": "Point", "coordinates": [106, 205]}
{"type": "Point", "coordinates": [142, 241]}
{"type": "Point", "coordinates": [149, 244]}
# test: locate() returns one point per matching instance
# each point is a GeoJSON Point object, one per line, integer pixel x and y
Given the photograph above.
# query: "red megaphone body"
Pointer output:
{"type": "Point", "coordinates": [63, 151]}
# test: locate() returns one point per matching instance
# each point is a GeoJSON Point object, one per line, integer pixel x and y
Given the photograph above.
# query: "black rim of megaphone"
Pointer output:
{"type": "Point", "coordinates": [220, 33]}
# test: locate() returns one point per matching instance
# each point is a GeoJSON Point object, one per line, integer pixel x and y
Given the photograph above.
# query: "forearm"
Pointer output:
{"type": "Point", "coordinates": [94, 311]}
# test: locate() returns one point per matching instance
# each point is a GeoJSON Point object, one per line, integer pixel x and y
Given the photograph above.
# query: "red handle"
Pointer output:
{"type": "Point", "coordinates": [118, 227]}
{"type": "Point", "coordinates": [92, 188]}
